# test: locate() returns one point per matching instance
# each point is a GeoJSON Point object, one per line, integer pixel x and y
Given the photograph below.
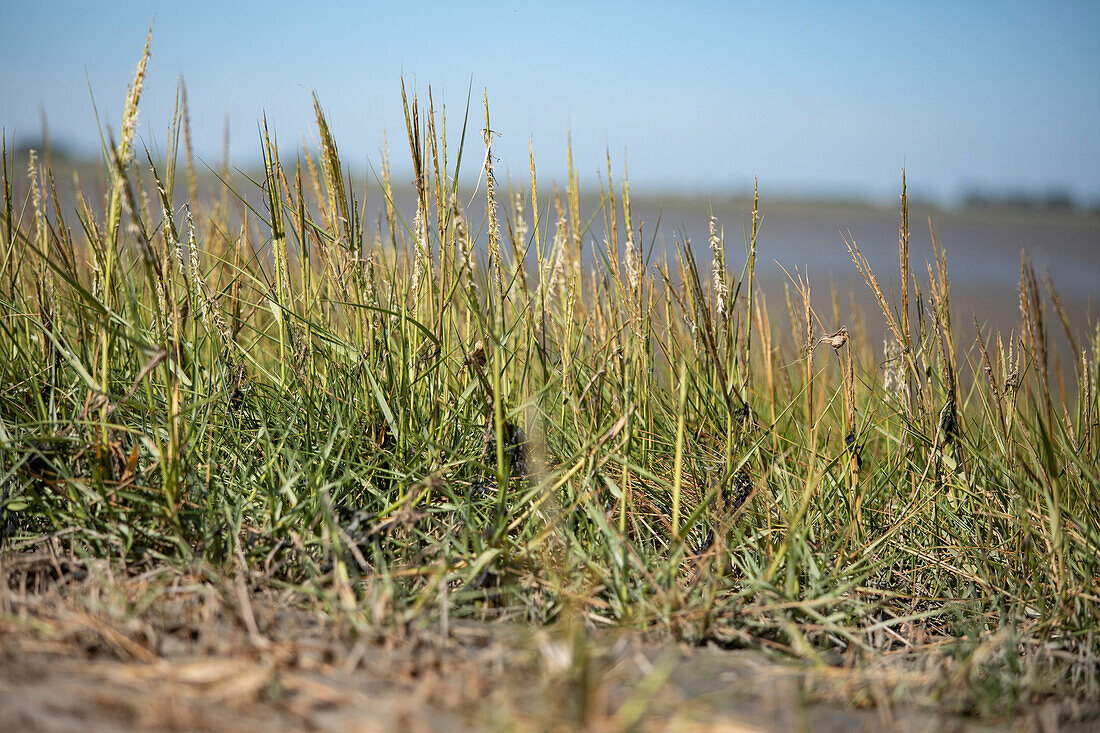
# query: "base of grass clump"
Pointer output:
{"type": "Point", "coordinates": [436, 421]}
{"type": "Point", "coordinates": [84, 646]}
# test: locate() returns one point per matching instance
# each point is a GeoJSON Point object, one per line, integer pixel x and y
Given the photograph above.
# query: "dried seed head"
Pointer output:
{"type": "Point", "coordinates": [555, 274]}
{"type": "Point", "coordinates": [521, 222]}
{"type": "Point", "coordinates": [894, 381]}
{"type": "Point", "coordinates": [211, 314]}
{"type": "Point", "coordinates": [633, 266]}
{"type": "Point", "coordinates": [372, 282]}
{"type": "Point", "coordinates": [420, 261]}
{"type": "Point", "coordinates": [718, 270]}
{"type": "Point", "coordinates": [130, 112]}
{"type": "Point", "coordinates": [36, 193]}
{"type": "Point", "coordinates": [491, 212]}
{"type": "Point", "coordinates": [1012, 368]}
{"type": "Point", "coordinates": [463, 246]}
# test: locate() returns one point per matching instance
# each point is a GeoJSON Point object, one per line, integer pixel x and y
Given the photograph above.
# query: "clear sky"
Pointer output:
{"type": "Point", "coordinates": [824, 98]}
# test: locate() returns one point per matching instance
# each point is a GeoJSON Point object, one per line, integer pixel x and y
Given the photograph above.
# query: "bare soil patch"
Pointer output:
{"type": "Point", "coordinates": [83, 649]}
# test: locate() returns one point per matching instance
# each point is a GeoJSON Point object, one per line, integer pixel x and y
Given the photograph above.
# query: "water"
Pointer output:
{"type": "Point", "coordinates": [983, 247]}
{"type": "Point", "coordinates": [983, 256]}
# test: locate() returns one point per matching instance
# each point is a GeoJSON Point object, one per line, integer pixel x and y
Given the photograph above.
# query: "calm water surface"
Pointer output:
{"type": "Point", "coordinates": [983, 253]}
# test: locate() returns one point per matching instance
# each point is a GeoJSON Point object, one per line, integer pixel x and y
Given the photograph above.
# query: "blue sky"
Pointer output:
{"type": "Point", "coordinates": [823, 98]}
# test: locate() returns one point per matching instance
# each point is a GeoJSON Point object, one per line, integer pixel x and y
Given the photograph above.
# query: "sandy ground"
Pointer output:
{"type": "Point", "coordinates": [168, 651]}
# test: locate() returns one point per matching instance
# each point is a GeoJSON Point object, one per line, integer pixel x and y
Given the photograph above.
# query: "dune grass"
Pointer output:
{"type": "Point", "coordinates": [534, 416]}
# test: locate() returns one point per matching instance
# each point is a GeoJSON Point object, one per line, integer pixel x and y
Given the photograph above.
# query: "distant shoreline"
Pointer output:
{"type": "Point", "coordinates": [1053, 203]}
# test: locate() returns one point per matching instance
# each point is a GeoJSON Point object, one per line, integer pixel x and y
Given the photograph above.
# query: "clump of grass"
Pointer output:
{"type": "Point", "coordinates": [553, 426]}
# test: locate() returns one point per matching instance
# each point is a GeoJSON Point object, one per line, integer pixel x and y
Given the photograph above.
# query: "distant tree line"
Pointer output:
{"type": "Point", "coordinates": [1054, 199]}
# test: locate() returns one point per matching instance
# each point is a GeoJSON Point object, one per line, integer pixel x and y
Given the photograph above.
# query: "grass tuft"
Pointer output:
{"type": "Point", "coordinates": [418, 420]}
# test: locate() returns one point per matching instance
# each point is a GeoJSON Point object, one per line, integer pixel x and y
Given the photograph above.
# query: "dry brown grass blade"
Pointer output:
{"type": "Point", "coordinates": [1061, 311]}
{"type": "Point", "coordinates": [1034, 328]}
{"type": "Point", "coordinates": [334, 176]}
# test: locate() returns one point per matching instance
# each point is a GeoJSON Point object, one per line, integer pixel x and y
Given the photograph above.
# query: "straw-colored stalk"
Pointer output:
{"type": "Point", "coordinates": [678, 461]}
{"type": "Point", "coordinates": [493, 225]}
